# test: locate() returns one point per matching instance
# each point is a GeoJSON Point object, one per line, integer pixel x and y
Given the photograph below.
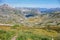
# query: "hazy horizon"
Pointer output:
{"type": "Point", "coordinates": [32, 3]}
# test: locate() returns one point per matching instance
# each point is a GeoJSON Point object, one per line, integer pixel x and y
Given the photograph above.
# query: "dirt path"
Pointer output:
{"type": "Point", "coordinates": [14, 38]}
{"type": "Point", "coordinates": [6, 24]}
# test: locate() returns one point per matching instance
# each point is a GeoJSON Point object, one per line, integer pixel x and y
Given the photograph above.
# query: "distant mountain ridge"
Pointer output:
{"type": "Point", "coordinates": [42, 10]}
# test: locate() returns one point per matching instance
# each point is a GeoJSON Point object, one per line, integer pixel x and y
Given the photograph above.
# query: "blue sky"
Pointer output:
{"type": "Point", "coordinates": [32, 3]}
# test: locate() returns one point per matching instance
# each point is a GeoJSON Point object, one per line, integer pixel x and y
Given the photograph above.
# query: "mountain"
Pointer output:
{"type": "Point", "coordinates": [13, 15]}
{"type": "Point", "coordinates": [29, 16]}
{"type": "Point", "coordinates": [28, 12]}
{"type": "Point", "coordinates": [50, 10]}
{"type": "Point", "coordinates": [40, 10]}
{"type": "Point", "coordinates": [8, 14]}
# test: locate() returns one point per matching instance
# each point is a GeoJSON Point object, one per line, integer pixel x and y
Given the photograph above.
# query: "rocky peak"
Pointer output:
{"type": "Point", "coordinates": [5, 6]}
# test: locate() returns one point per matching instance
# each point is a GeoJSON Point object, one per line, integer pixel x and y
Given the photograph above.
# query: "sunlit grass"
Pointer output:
{"type": "Point", "coordinates": [6, 35]}
{"type": "Point", "coordinates": [26, 33]}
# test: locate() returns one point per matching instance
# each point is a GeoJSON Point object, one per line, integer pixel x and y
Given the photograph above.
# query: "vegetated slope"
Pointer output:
{"type": "Point", "coordinates": [52, 18]}
{"type": "Point", "coordinates": [26, 33]}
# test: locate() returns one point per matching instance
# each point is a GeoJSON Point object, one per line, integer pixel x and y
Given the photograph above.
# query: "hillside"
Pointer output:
{"type": "Point", "coordinates": [28, 16]}
{"type": "Point", "coordinates": [9, 15]}
{"type": "Point", "coordinates": [28, 24]}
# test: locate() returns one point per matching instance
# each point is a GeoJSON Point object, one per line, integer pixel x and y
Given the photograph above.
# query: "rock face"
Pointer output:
{"type": "Point", "coordinates": [8, 14]}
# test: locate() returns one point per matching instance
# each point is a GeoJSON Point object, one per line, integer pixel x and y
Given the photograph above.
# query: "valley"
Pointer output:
{"type": "Point", "coordinates": [29, 23]}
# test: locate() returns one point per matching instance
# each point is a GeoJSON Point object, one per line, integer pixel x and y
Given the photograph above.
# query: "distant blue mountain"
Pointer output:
{"type": "Point", "coordinates": [45, 10]}
{"type": "Point", "coordinates": [42, 10]}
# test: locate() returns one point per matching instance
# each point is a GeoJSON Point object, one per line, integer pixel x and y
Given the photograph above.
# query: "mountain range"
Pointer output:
{"type": "Point", "coordinates": [29, 16]}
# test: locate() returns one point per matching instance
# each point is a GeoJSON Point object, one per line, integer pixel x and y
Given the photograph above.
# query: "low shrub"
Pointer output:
{"type": "Point", "coordinates": [15, 26]}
